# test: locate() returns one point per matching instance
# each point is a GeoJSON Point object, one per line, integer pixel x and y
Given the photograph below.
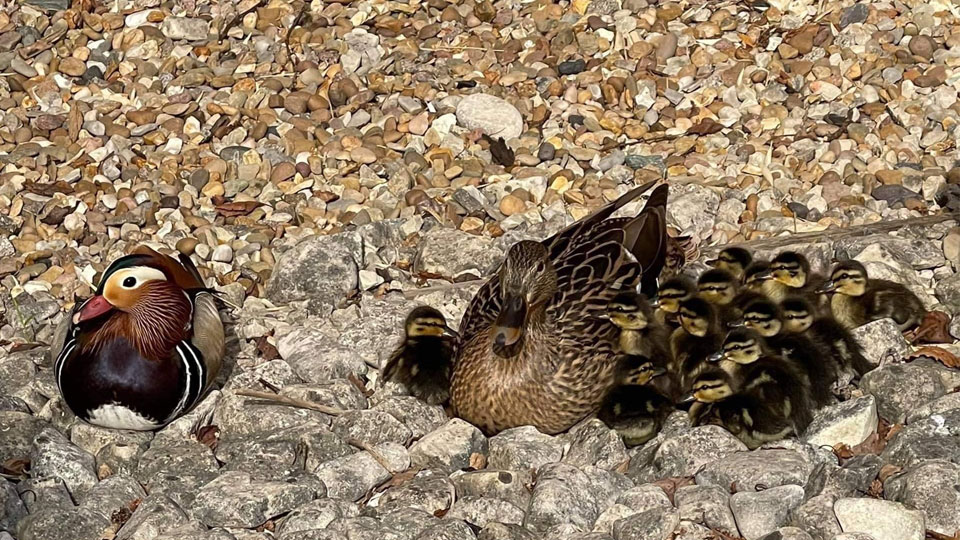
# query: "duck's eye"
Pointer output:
{"type": "Point", "coordinates": [130, 282]}
{"type": "Point", "coordinates": [541, 266]}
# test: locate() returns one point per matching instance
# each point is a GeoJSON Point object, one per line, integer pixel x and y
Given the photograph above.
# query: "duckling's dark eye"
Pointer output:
{"type": "Point", "coordinates": [130, 282]}
{"type": "Point", "coordinates": [541, 266]}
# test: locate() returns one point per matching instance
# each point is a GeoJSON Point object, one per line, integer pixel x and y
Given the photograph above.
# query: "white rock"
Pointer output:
{"type": "Point", "coordinates": [850, 423]}
{"type": "Point", "coordinates": [880, 339]}
{"type": "Point", "coordinates": [759, 513]}
{"type": "Point", "coordinates": [185, 28]}
{"type": "Point", "coordinates": [369, 279]}
{"type": "Point", "coordinates": [491, 115]}
{"type": "Point", "coordinates": [883, 520]}
{"type": "Point", "coordinates": [223, 253]}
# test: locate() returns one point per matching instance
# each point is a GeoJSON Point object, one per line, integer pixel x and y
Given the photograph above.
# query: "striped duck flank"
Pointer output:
{"type": "Point", "coordinates": [142, 350]}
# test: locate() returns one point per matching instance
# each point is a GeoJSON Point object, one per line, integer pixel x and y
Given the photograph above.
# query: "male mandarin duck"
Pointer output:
{"type": "Point", "coordinates": [536, 346]}
{"type": "Point", "coordinates": [143, 350]}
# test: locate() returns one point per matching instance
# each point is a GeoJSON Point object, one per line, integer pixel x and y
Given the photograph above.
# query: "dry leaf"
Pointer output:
{"type": "Point", "coordinates": [267, 350]}
{"type": "Point", "coordinates": [478, 461]}
{"type": "Point", "coordinates": [399, 479]}
{"type": "Point", "coordinates": [440, 513]}
{"type": "Point", "coordinates": [705, 127]}
{"type": "Point", "coordinates": [876, 489]}
{"type": "Point", "coordinates": [15, 466]}
{"type": "Point", "coordinates": [939, 354]}
{"type": "Point", "coordinates": [670, 485]}
{"type": "Point", "coordinates": [935, 328]}
{"type": "Point", "coordinates": [502, 153]}
{"type": "Point", "coordinates": [237, 208]}
{"type": "Point", "coordinates": [887, 471]}
{"type": "Point", "coordinates": [209, 436]}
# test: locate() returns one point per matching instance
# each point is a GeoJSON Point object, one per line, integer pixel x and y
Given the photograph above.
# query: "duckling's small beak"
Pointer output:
{"type": "Point", "coordinates": [689, 398]}
{"type": "Point", "coordinates": [450, 332]}
{"type": "Point", "coordinates": [655, 302]}
{"type": "Point", "coordinates": [658, 371]}
{"type": "Point", "coordinates": [765, 275]}
{"type": "Point", "coordinates": [829, 286]}
{"type": "Point", "coordinates": [508, 328]}
{"type": "Point", "coordinates": [713, 262]}
{"type": "Point", "coordinates": [715, 357]}
{"type": "Point", "coordinates": [740, 323]}
{"type": "Point", "coordinates": [92, 308]}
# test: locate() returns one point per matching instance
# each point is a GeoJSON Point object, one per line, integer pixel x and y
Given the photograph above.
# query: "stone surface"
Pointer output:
{"type": "Point", "coordinates": [523, 448]}
{"type": "Point", "coordinates": [761, 513]}
{"type": "Point", "coordinates": [322, 270]}
{"type": "Point", "coordinates": [899, 389]}
{"type": "Point", "coordinates": [930, 487]}
{"type": "Point", "coordinates": [881, 341]}
{"type": "Point", "coordinates": [491, 115]}
{"type": "Point", "coordinates": [849, 423]}
{"type": "Point", "coordinates": [708, 506]}
{"type": "Point", "coordinates": [883, 520]}
{"type": "Point", "coordinates": [763, 469]}
{"type": "Point", "coordinates": [235, 500]}
{"type": "Point", "coordinates": [450, 447]}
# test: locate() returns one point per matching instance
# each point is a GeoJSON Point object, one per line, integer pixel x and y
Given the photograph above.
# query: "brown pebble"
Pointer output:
{"type": "Point", "coordinates": [511, 205]}
{"type": "Point", "coordinates": [187, 245]}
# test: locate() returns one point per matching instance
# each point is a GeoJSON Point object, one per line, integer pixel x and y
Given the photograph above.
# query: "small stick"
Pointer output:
{"type": "Point", "coordinates": [413, 293]}
{"type": "Point", "coordinates": [373, 453]}
{"type": "Point", "coordinates": [292, 402]}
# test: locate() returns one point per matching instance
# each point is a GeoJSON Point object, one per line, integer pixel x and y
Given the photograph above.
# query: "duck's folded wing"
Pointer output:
{"type": "Point", "coordinates": [208, 336]}
{"type": "Point", "coordinates": [60, 334]}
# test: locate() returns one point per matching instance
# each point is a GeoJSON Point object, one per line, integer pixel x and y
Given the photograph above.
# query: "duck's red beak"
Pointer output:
{"type": "Point", "coordinates": [92, 309]}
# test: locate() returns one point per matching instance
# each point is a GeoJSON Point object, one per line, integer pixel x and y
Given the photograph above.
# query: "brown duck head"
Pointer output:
{"type": "Point", "coordinates": [528, 282]}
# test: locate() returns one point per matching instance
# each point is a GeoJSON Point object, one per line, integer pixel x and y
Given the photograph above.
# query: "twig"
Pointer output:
{"type": "Point", "coordinates": [413, 293]}
{"type": "Point", "coordinates": [459, 47]}
{"type": "Point", "coordinates": [373, 453]}
{"type": "Point", "coordinates": [289, 401]}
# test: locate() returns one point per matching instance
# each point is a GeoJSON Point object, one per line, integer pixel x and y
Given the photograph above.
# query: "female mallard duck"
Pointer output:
{"type": "Point", "coordinates": [734, 260]}
{"type": "Point", "coordinates": [644, 339]}
{"type": "Point", "coordinates": [635, 408]}
{"type": "Point", "coordinates": [764, 317]}
{"type": "Point", "coordinates": [799, 317]}
{"type": "Point", "coordinates": [536, 347]}
{"type": "Point", "coordinates": [856, 299]}
{"type": "Point", "coordinates": [143, 350]}
{"type": "Point", "coordinates": [424, 359]}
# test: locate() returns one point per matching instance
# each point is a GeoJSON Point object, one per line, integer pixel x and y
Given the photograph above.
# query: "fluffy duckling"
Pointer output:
{"type": "Point", "coordinates": [634, 408]}
{"type": "Point", "coordinates": [734, 260]}
{"type": "Point", "coordinates": [670, 295]}
{"type": "Point", "coordinates": [744, 414]}
{"type": "Point", "coordinates": [856, 299]}
{"type": "Point", "coordinates": [644, 338]}
{"type": "Point", "coordinates": [720, 288]}
{"type": "Point", "coordinates": [144, 349]}
{"type": "Point", "coordinates": [764, 317]}
{"type": "Point", "coordinates": [746, 355]}
{"type": "Point", "coordinates": [799, 318]}
{"type": "Point", "coordinates": [697, 338]}
{"type": "Point", "coordinates": [424, 359]}
{"type": "Point", "coordinates": [789, 273]}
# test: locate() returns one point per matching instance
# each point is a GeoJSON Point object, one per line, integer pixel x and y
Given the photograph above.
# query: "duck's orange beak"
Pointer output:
{"type": "Point", "coordinates": [92, 309]}
{"type": "Point", "coordinates": [508, 329]}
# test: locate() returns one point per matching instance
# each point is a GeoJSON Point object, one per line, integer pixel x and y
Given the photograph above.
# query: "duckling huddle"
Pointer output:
{"type": "Point", "coordinates": [753, 346]}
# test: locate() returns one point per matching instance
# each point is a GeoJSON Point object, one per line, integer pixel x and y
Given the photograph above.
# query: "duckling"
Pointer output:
{"type": "Point", "coordinates": [734, 260]}
{"type": "Point", "coordinates": [424, 359]}
{"type": "Point", "coordinates": [671, 294]}
{"type": "Point", "coordinates": [764, 317]}
{"type": "Point", "coordinates": [746, 355]}
{"type": "Point", "coordinates": [699, 335]}
{"type": "Point", "coordinates": [826, 332]}
{"type": "Point", "coordinates": [856, 299]}
{"type": "Point", "coordinates": [634, 408]}
{"type": "Point", "coordinates": [720, 288]}
{"type": "Point", "coordinates": [790, 274]}
{"type": "Point", "coordinates": [752, 288]}
{"type": "Point", "coordinates": [643, 338]}
{"type": "Point", "coordinates": [744, 414]}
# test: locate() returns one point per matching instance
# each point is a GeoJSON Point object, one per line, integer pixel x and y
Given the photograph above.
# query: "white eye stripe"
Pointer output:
{"type": "Point", "coordinates": [132, 278]}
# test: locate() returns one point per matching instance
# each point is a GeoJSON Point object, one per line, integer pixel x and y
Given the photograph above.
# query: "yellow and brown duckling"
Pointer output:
{"type": "Point", "coordinates": [734, 260]}
{"type": "Point", "coordinates": [424, 360]}
{"type": "Point", "coordinates": [720, 288]}
{"type": "Point", "coordinates": [719, 399]}
{"type": "Point", "coordinates": [536, 347]}
{"type": "Point", "coordinates": [144, 349]}
{"type": "Point", "coordinates": [799, 317]}
{"type": "Point", "coordinates": [643, 338]}
{"type": "Point", "coordinates": [635, 408]}
{"type": "Point", "coordinates": [699, 335]}
{"type": "Point", "coordinates": [670, 295]}
{"type": "Point", "coordinates": [856, 299]}
{"type": "Point", "coordinates": [789, 273]}
{"type": "Point", "coordinates": [764, 317]}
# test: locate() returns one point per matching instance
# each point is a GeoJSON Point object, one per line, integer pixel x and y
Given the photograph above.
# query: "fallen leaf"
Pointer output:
{"type": "Point", "coordinates": [939, 354]}
{"type": "Point", "coordinates": [209, 436]}
{"type": "Point", "coordinates": [705, 127]}
{"type": "Point", "coordinates": [399, 479]}
{"type": "Point", "coordinates": [267, 350]}
{"type": "Point", "coordinates": [935, 328]}
{"type": "Point", "coordinates": [478, 461]}
{"type": "Point", "coordinates": [502, 153]}
{"type": "Point", "coordinates": [440, 513]}
{"type": "Point", "coordinates": [670, 485]}
{"type": "Point", "coordinates": [361, 386]}
{"type": "Point", "coordinates": [876, 489]}
{"type": "Point", "coordinates": [15, 466]}
{"type": "Point", "coordinates": [887, 471]}
{"type": "Point", "coordinates": [237, 208]}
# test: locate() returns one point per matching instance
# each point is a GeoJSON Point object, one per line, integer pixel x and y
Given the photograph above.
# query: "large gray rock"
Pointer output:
{"type": "Point", "coordinates": [12, 509]}
{"type": "Point", "coordinates": [854, 477]}
{"type": "Point", "coordinates": [762, 512]}
{"type": "Point", "coordinates": [881, 339]}
{"type": "Point", "coordinates": [932, 487]}
{"type": "Point", "coordinates": [593, 443]}
{"type": "Point", "coordinates": [523, 448]}
{"type": "Point", "coordinates": [321, 446]}
{"type": "Point", "coordinates": [920, 253]}
{"type": "Point", "coordinates": [157, 514]}
{"type": "Point", "coordinates": [706, 505]}
{"type": "Point", "coordinates": [491, 483]}
{"type": "Point", "coordinates": [900, 388]}
{"type": "Point", "coordinates": [449, 448]}
{"type": "Point", "coordinates": [316, 356]}
{"type": "Point", "coordinates": [934, 437]}
{"type": "Point", "coordinates": [322, 270]}
{"type": "Point", "coordinates": [54, 456]}
{"type": "Point", "coordinates": [18, 430]}
{"type": "Point", "coordinates": [654, 524]}
{"type": "Point", "coordinates": [849, 422]}
{"type": "Point", "coordinates": [236, 500]}
{"type": "Point", "coordinates": [940, 405]}
{"type": "Point", "coordinates": [350, 477]}
{"type": "Point", "coordinates": [449, 529]}
{"type": "Point", "coordinates": [611, 516]}
{"type": "Point", "coordinates": [263, 458]}
{"type": "Point", "coordinates": [759, 469]}
{"type": "Point", "coordinates": [58, 523]}
{"type": "Point", "coordinates": [883, 520]}
{"type": "Point", "coordinates": [481, 511]}
{"type": "Point", "coordinates": [504, 531]}
{"type": "Point", "coordinates": [693, 208]}
{"type": "Point", "coordinates": [816, 517]}
{"type": "Point", "coordinates": [370, 427]}
{"type": "Point", "coordinates": [315, 516]}
{"type": "Point", "coordinates": [419, 417]}
{"type": "Point", "coordinates": [239, 416]}
{"type": "Point", "coordinates": [176, 468]}
{"type": "Point", "coordinates": [643, 498]}
{"type": "Point", "coordinates": [113, 494]}
{"type": "Point", "coordinates": [948, 292]}
{"type": "Point", "coordinates": [449, 253]}
{"type": "Point", "coordinates": [431, 493]}
{"type": "Point", "coordinates": [686, 453]}
{"type": "Point", "coordinates": [93, 439]}
{"type": "Point", "coordinates": [563, 494]}
{"type": "Point", "coordinates": [18, 369]}
{"type": "Point", "coordinates": [490, 114]}
{"type": "Point", "coordinates": [788, 533]}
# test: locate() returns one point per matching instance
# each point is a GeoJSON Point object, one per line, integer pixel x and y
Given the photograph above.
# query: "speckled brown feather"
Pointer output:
{"type": "Point", "coordinates": [567, 362]}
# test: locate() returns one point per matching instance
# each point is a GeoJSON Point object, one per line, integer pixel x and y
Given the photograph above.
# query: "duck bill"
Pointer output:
{"type": "Point", "coordinates": [736, 324]}
{"type": "Point", "coordinates": [765, 275]}
{"type": "Point", "coordinates": [508, 328]}
{"type": "Point", "coordinates": [827, 287]}
{"type": "Point", "coordinates": [715, 357]}
{"type": "Point", "coordinates": [92, 308]}
{"type": "Point", "coordinates": [713, 263]}
{"type": "Point", "coordinates": [450, 332]}
{"type": "Point", "coordinates": [689, 398]}
{"type": "Point", "coordinates": [658, 372]}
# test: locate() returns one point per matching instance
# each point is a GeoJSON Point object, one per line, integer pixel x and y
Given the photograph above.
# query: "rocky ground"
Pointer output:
{"type": "Point", "coordinates": [323, 163]}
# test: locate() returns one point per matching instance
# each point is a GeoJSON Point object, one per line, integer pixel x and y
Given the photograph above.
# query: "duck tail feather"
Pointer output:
{"type": "Point", "coordinates": [646, 238]}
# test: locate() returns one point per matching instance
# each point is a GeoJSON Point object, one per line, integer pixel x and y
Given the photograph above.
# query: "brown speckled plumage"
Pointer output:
{"type": "Point", "coordinates": [565, 364]}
